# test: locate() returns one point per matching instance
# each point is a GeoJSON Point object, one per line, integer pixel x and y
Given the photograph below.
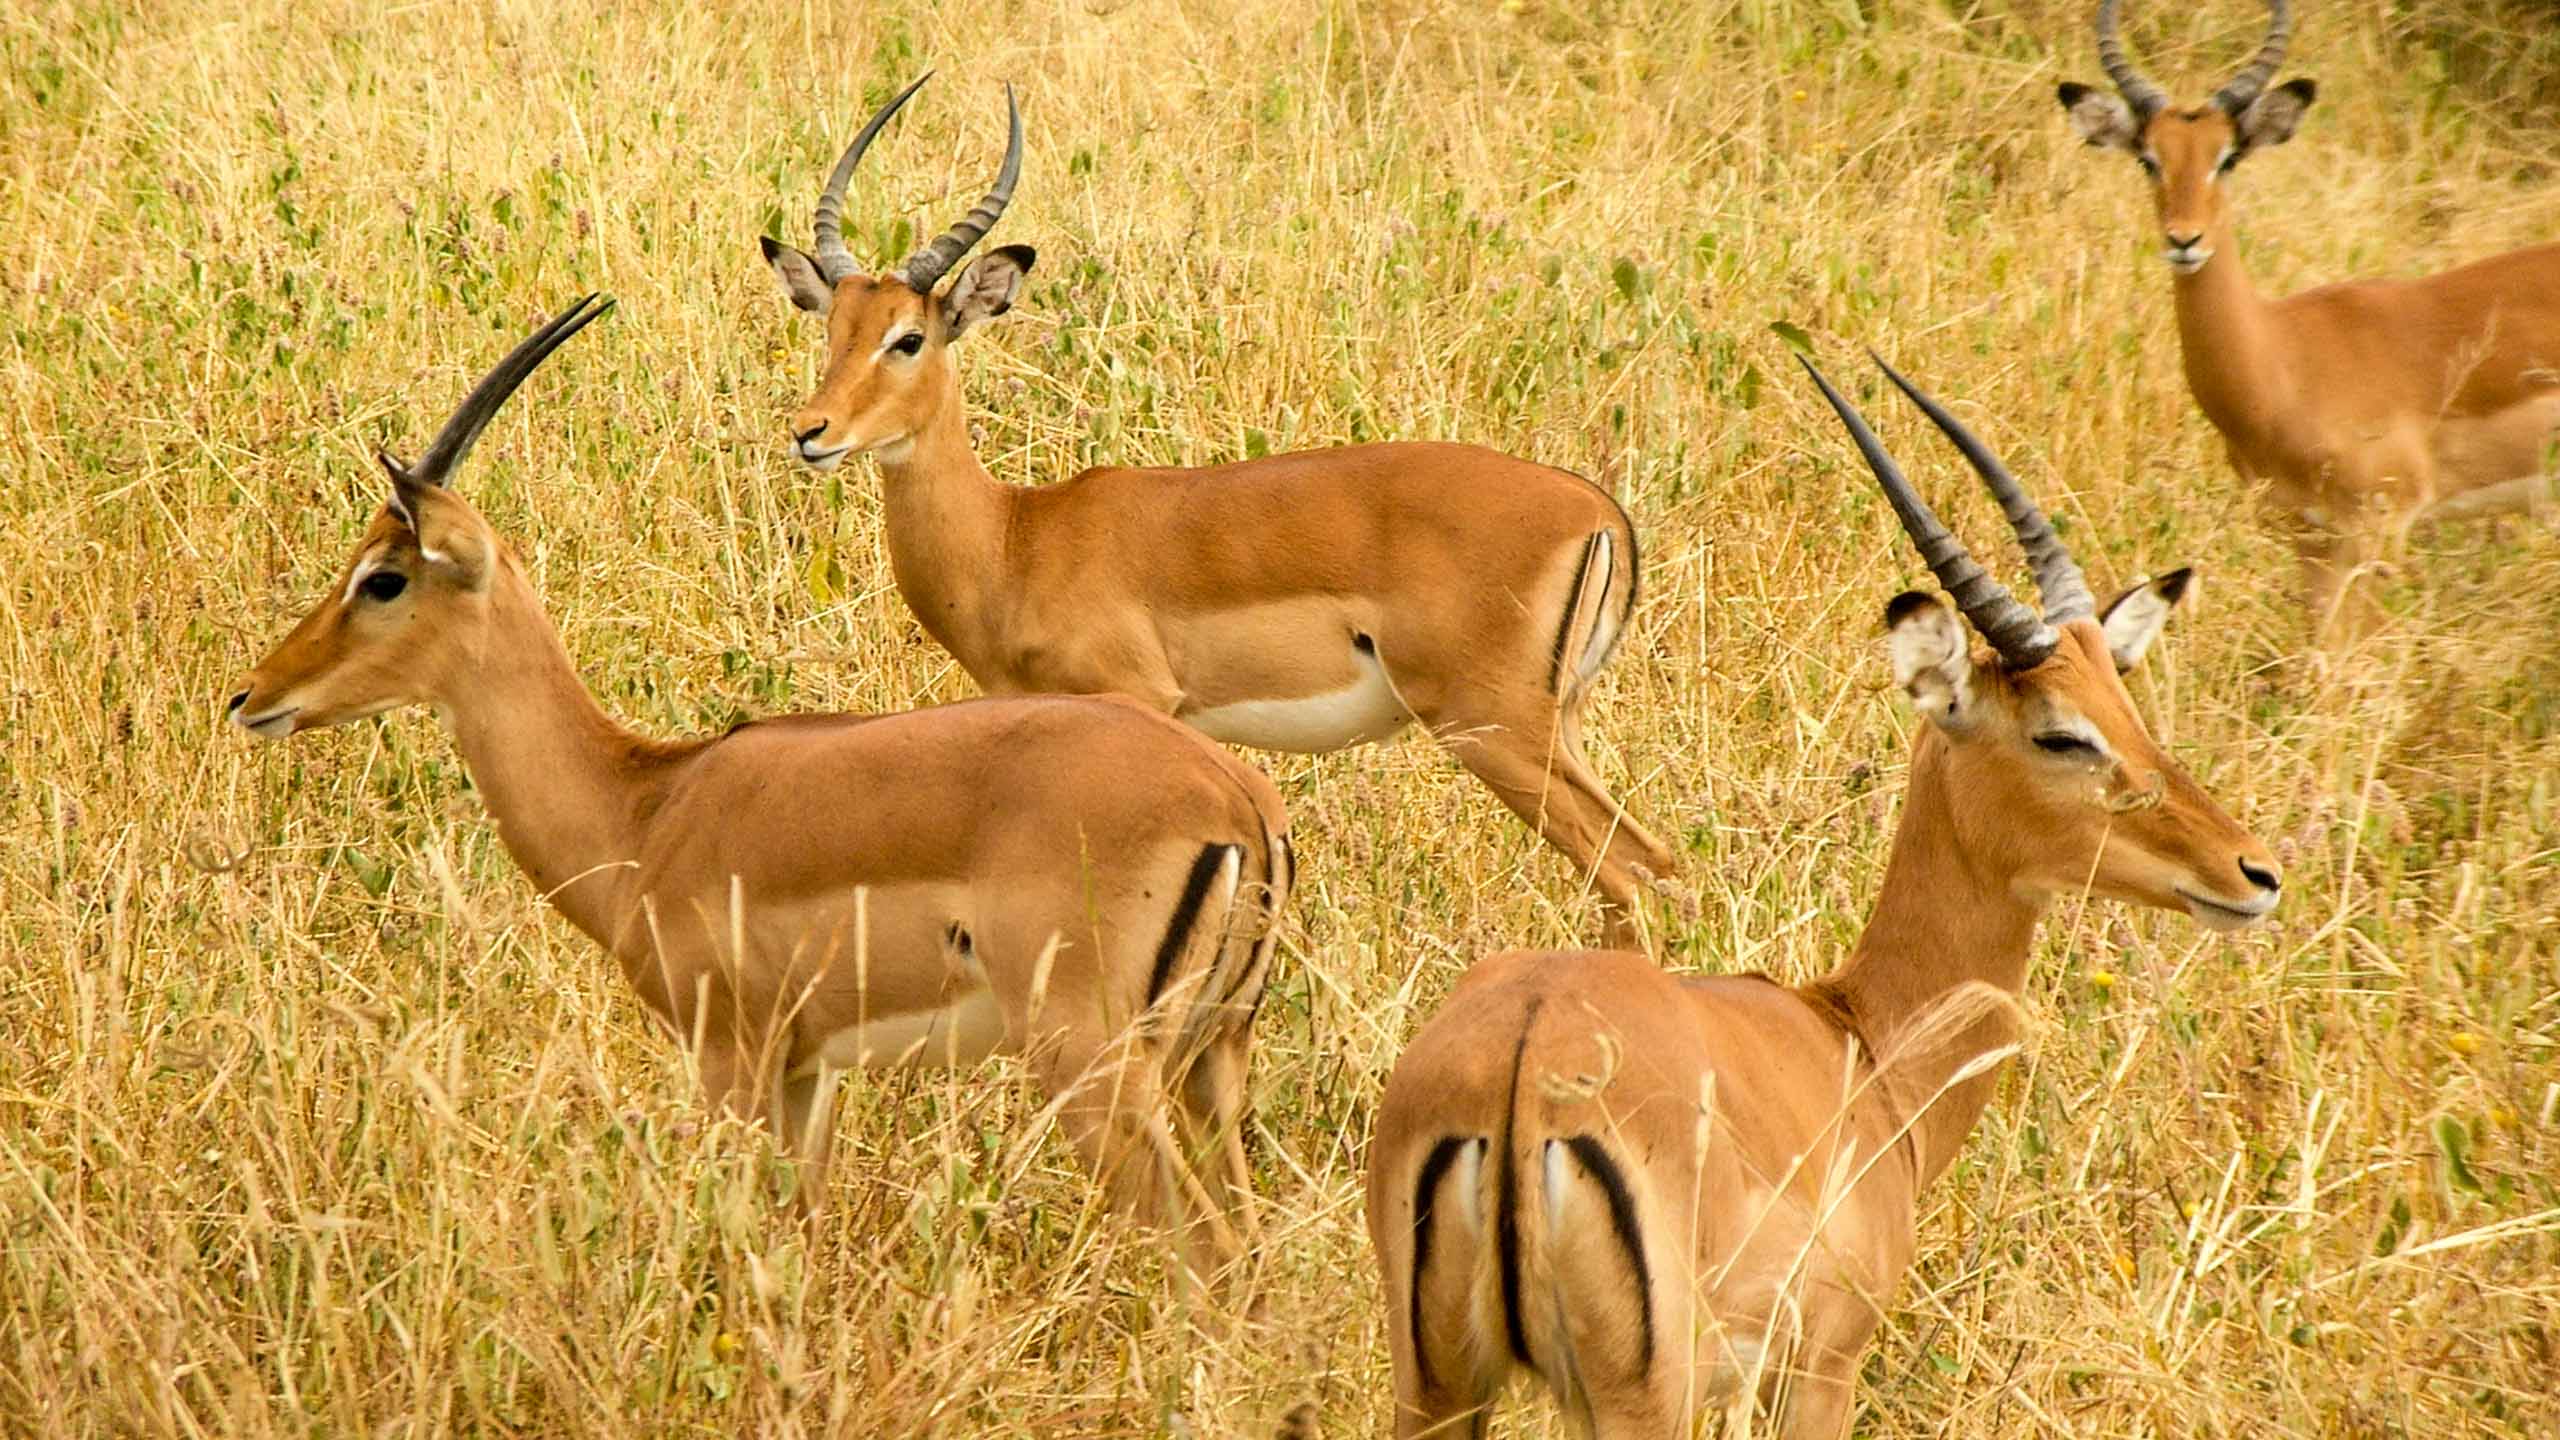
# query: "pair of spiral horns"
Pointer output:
{"type": "Point", "coordinates": [2023, 637]}
{"type": "Point", "coordinates": [2148, 99]}
{"type": "Point", "coordinates": [925, 268]}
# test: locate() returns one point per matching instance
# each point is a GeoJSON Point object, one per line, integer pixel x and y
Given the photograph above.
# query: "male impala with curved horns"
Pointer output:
{"type": "Point", "coordinates": [2366, 406]}
{"type": "Point", "coordinates": [1303, 602]}
{"type": "Point", "coordinates": [1079, 880]}
{"type": "Point", "coordinates": [1666, 1195]}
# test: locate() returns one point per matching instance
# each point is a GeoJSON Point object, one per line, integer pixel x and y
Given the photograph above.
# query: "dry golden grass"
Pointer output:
{"type": "Point", "coordinates": [313, 1121]}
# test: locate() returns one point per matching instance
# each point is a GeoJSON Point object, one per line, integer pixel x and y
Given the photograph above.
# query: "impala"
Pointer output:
{"type": "Point", "coordinates": [1666, 1194]}
{"type": "Point", "coordinates": [1078, 880]}
{"type": "Point", "coordinates": [2363, 407]}
{"type": "Point", "coordinates": [1304, 602]}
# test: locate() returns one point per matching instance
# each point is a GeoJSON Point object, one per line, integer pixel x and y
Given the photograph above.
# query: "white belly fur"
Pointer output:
{"type": "Point", "coordinates": [963, 1032]}
{"type": "Point", "coordinates": [1368, 709]}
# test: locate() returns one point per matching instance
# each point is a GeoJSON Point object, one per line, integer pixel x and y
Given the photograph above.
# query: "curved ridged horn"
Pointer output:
{"type": "Point", "coordinates": [2244, 87]}
{"type": "Point", "coordinates": [2146, 98]}
{"type": "Point", "coordinates": [2022, 640]}
{"type": "Point", "coordinates": [472, 416]}
{"type": "Point", "coordinates": [835, 262]}
{"type": "Point", "coordinates": [927, 266]}
{"type": "Point", "coordinates": [2058, 578]}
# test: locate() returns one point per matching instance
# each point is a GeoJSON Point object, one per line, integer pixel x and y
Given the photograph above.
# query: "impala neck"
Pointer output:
{"type": "Point", "coordinates": [1943, 921]}
{"type": "Point", "coordinates": [947, 520]}
{"type": "Point", "coordinates": [568, 786]}
{"type": "Point", "coordinates": [2233, 368]}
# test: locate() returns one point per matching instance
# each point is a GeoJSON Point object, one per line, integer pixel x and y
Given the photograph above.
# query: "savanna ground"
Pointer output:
{"type": "Point", "coordinates": [314, 1121]}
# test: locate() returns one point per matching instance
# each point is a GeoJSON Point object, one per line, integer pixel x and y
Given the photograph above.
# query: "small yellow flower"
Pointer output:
{"type": "Point", "coordinates": [2124, 1267]}
{"type": "Point", "coordinates": [1514, 7]}
{"type": "Point", "coordinates": [2464, 1043]}
{"type": "Point", "coordinates": [2502, 1117]}
{"type": "Point", "coordinates": [2187, 1209]}
{"type": "Point", "coordinates": [2103, 979]}
{"type": "Point", "coordinates": [1798, 97]}
{"type": "Point", "coordinates": [726, 1345]}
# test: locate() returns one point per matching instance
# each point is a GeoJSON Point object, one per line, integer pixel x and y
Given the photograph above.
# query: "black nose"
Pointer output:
{"type": "Point", "coordinates": [2261, 876]}
{"type": "Point", "coordinates": [237, 701]}
{"type": "Point", "coordinates": [2184, 242]}
{"type": "Point", "coordinates": [812, 433]}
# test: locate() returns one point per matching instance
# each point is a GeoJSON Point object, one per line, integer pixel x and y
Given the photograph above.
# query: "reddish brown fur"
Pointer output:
{"type": "Point", "coordinates": [1194, 590]}
{"type": "Point", "coordinates": [882, 866]}
{"type": "Point", "coordinates": [1773, 1238]}
{"type": "Point", "coordinates": [2365, 406]}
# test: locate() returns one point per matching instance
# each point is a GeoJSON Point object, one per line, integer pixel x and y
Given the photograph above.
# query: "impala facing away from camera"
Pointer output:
{"type": "Point", "coordinates": [1078, 880]}
{"type": "Point", "coordinates": [2365, 407]}
{"type": "Point", "coordinates": [1669, 1195]}
{"type": "Point", "coordinates": [1305, 602]}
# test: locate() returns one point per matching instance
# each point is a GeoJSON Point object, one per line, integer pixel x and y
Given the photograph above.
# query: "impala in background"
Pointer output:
{"type": "Point", "coordinates": [1081, 881]}
{"type": "Point", "coordinates": [1304, 602]}
{"type": "Point", "coordinates": [1666, 1194]}
{"type": "Point", "coordinates": [2367, 406]}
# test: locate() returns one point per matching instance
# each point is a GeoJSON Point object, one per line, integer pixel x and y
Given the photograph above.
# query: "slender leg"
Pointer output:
{"type": "Point", "coordinates": [1213, 1111]}
{"type": "Point", "coordinates": [806, 1118]}
{"type": "Point", "coordinates": [1816, 1396]}
{"type": "Point", "coordinates": [2337, 585]}
{"type": "Point", "coordinates": [1524, 759]}
{"type": "Point", "coordinates": [732, 1081]}
{"type": "Point", "coordinates": [1442, 1415]}
{"type": "Point", "coordinates": [1657, 861]}
{"type": "Point", "coordinates": [1819, 1408]}
{"type": "Point", "coordinates": [1116, 1117]}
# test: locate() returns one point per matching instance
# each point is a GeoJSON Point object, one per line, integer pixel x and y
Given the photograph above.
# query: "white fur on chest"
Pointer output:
{"type": "Point", "coordinates": [1365, 710]}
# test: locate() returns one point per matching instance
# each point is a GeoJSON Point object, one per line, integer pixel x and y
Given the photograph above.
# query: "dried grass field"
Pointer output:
{"type": "Point", "coordinates": [314, 1120]}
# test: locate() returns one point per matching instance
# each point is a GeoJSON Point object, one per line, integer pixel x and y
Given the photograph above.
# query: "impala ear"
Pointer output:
{"type": "Point", "coordinates": [404, 488]}
{"type": "Point", "coordinates": [1932, 658]}
{"type": "Point", "coordinates": [986, 289]}
{"type": "Point", "coordinates": [799, 273]}
{"type": "Point", "coordinates": [2271, 118]}
{"type": "Point", "coordinates": [450, 536]}
{"type": "Point", "coordinates": [2133, 619]}
{"type": "Point", "coordinates": [2101, 117]}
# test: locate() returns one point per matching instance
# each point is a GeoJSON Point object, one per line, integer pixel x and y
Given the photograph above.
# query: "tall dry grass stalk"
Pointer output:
{"type": "Point", "coordinates": [313, 1121]}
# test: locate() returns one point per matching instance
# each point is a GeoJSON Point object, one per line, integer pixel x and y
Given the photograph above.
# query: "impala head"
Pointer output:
{"type": "Point", "coordinates": [889, 335]}
{"type": "Point", "coordinates": [2054, 779]}
{"type": "Point", "coordinates": [2187, 153]}
{"type": "Point", "coordinates": [404, 621]}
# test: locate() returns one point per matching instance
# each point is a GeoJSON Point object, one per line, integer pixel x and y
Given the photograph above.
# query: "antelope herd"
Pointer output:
{"type": "Point", "coordinates": [1664, 1195]}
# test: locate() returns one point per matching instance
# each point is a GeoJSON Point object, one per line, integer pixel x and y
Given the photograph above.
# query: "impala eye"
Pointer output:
{"type": "Point", "coordinates": [2229, 159]}
{"type": "Point", "coordinates": [384, 585]}
{"type": "Point", "coordinates": [2063, 742]}
{"type": "Point", "coordinates": [2150, 165]}
{"type": "Point", "coordinates": [911, 343]}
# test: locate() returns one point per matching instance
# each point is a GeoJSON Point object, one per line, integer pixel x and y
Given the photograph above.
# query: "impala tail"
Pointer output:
{"type": "Point", "coordinates": [1225, 929]}
{"type": "Point", "coordinates": [1598, 604]}
{"type": "Point", "coordinates": [1527, 1250]}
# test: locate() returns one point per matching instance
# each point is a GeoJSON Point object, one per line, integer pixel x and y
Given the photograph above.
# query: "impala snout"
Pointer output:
{"type": "Point", "coordinates": [2239, 899]}
{"type": "Point", "coordinates": [262, 717]}
{"type": "Point", "coordinates": [813, 445]}
{"type": "Point", "coordinates": [2186, 251]}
